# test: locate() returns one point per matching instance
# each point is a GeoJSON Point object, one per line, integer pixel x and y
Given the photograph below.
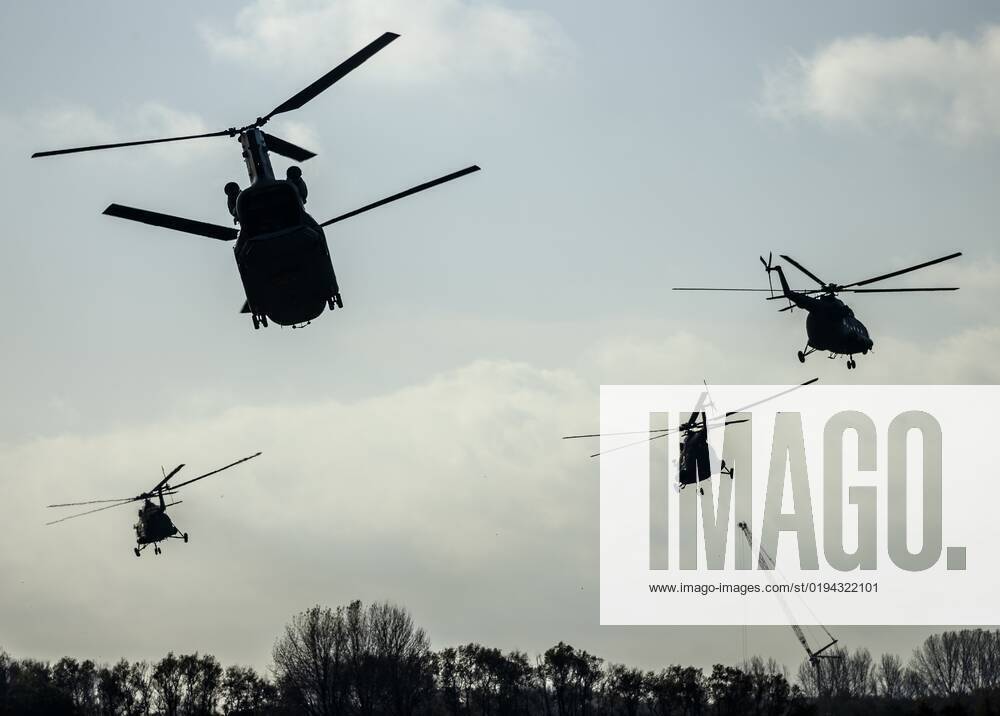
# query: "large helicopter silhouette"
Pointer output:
{"type": "Point", "coordinates": [831, 324]}
{"type": "Point", "coordinates": [281, 251]}
{"type": "Point", "coordinates": [154, 525]}
{"type": "Point", "coordinates": [698, 461]}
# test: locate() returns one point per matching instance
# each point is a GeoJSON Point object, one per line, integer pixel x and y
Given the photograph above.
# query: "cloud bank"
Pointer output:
{"type": "Point", "coordinates": [443, 40]}
{"type": "Point", "coordinates": [947, 86]}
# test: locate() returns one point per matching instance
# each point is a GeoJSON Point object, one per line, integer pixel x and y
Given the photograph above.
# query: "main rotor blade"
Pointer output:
{"type": "Point", "coordinates": [780, 297]}
{"type": "Point", "coordinates": [902, 271]}
{"type": "Point", "coordinates": [174, 488]}
{"type": "Point", "coordinates": [337, 73]}
{"type": "Point", "coordinates": [402, 194]}
{"type": "Point", "coordinates": [90, 512]}
{"type": "Point", "coordinates": [776, 297]}
{"type": "Point", "coordinates": [803, 269]}
{"type": "Point", "coordinates": [898, 290]}
{"type": "Point", "coordinates": [686, 427]}
{"type": "Point", "coordinates": [188, 226]}
{"type": "Point", "coordinates": [287, 149]}
{"type": "Point", "coordinates": [163, 482]}
{"type": "Point", "coordinates": [715, 424]}
{"type": "Point", "coordinates": [90, 502]}
{"type": "Point", "coordinates": [95, 147]}
{"type": "Point", "coordinates": [772, 397]}
{"type": "Point", "coordinates": [632, 432]}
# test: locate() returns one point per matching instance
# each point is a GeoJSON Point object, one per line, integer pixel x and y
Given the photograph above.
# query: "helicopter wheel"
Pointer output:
{"type": "Point", "coordinates": [185, 538]}
{"type": "Point", "coordinates": [701, 490]}
{"type": "Point", "coordinates": [137, 552]}
{"type": "Point", "coordinates": [339, 300]}
{"type": "Point", "coordinates": [263, 321]}
{"type": "Point", "coordinates": [851, 365]}
{"type": "Point", "coordinates": [802, 357]}
{"type": "Point", "coordinates": [256, 321]}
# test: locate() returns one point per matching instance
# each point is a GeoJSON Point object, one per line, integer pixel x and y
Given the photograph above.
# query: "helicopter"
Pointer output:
{"type": "Point", "coordinates": [281, 251]}
{"type": "Point", "coordinates": [831, 324]}
{"type": "Point", "coordinates": [154, 524]}
{"type": "Point", "coordinates": [698, 460]}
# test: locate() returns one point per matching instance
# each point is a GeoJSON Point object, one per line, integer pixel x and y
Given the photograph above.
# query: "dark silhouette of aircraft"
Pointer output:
{"type": "Point", "coordinates": [831, 324]}
{"type": "Point", "coordinates": [154, 525]}
{"type": "Point", "coordinates": [697, 457]}
{"type": "Point", "coordinates": [281, 251]}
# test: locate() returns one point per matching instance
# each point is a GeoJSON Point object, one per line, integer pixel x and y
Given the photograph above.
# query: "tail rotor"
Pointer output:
{"type": "Point", "coordinates": [769, 268]}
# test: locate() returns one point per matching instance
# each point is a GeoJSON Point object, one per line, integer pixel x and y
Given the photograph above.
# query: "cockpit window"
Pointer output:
{"type": "Point", "coordinates": [270, 209]}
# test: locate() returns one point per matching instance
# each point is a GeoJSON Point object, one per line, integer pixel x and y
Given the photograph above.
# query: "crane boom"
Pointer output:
{"type": "Point", "coordinates": [766, 562]}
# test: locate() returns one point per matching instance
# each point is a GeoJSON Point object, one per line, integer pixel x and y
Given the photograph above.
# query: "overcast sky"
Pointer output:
{"type": "Point", "coordinates": [411, 441]}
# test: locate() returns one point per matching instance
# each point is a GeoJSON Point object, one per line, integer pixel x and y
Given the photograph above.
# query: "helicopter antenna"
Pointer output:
{"type": "Point", "coordinates": [710, 403]}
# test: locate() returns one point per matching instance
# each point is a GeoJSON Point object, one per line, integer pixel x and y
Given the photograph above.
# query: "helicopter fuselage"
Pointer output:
{"type": "Point", "coordinates": [282, 256]}
{"type": "Point", "coordinates": [831, 326]}
{"type": "Point", "coordinates": [694, 464]}
{"type": "Point", "coordinates": [698, 461]}
{"type": "Point", "coordinates": [154, 525]}
{"type": "Point", "coordinates": [281, 251]}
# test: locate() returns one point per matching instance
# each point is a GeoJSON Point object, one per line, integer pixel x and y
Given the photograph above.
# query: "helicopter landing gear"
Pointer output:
{"type": "Point", "coordinates": [701, 491]}
{"type": "Point", "coordinates": [258, 321]}
{"type": "Point", "coordinates": [723, 470]}
{"type": "Point", "coordinates": [137, 551]}
{"type": "Point", "coordinates": [156, 549]}
{"type": "Point", "coordinates": [802, 354]}
{"type": "Point", "coordinates": [851, 363]}
{"type": "Point", "coordinates": [185, 536]}
{"type": "Point", "coordinates": [335, 301]}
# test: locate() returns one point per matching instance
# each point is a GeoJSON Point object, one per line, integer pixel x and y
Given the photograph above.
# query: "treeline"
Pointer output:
{"type": "Point", "coordinates": [373, 660]}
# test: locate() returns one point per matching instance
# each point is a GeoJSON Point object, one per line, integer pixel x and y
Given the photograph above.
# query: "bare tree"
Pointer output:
{"type": "Point", "coordinates": [938, 664]}
{"type": "Point", "coordinates": [246, 693]}
{"type": "Point", "coordinates": [574, 674]}
{"type": "Point", "coordinates": [201, 684]}
{"type": "Point", "coordinates": [140, 685]}
{"type": "Point", "coordinates": [678, 690]}
{"type": "Point", "coordinates": [310, 662]}
{"type": "Point", "coordinates": [890, 677]}
{"type": "Point", "coordinates": [624, 689]}
{"type": "Point", "coordinates": [401, 653]}
{"type": "Point", "coordinates": [167, 686]}
{"type": "Point", "coordinates": [353, 659]}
